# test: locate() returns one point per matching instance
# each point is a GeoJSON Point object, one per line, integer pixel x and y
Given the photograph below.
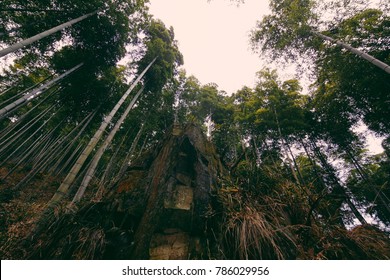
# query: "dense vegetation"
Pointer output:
{"type": "Point", "coordinates": [298, 178]}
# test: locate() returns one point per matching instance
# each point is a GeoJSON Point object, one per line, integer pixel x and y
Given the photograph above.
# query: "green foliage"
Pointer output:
{"type": "Point", "coordinates": [160, 43]}
{"type": "Point", "coordinates": [102, 37]}
{"type": "Point", "coordinates": [373, 187]}
{"type": "Point", "coordinates": [286, 31]}
{"type": "Point", "coordinates": [354, 86]}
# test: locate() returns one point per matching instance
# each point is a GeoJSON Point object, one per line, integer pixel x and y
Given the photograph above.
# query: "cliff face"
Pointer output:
{"type": "Point", "coordinates": [180, 185]}
{"type": "Point", "coordinates": [160, 209]}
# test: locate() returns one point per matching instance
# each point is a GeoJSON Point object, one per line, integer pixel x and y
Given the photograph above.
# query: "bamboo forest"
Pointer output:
{"type": "Point", "coordinates": [110, 150]}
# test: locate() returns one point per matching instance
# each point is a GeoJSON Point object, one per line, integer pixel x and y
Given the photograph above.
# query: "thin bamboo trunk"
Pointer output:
{"type": "Point", "coordinates": [29, 10]}
{"type": "Point", "coordinates": [313, 164]}
{"type": "Point", "coordinates": [47, 150]}
{"type": "Point", "coordinates": [91, 170]}
{"type": "Point", "coordinates": [35, 92]}
{"type": "Point", "coordinates": [15, 124]}
{"type": "Point", "coordinates": [299, 173]}
{"type": "Point", "coordinates": [5, 91]}
{"type": "Point", "coordinates": [44, 34]}
{"type": "Point", "coordinates": [17, 136]}
{"type": "Point", "coordinates": [126, 162]}
{"type": "Point", "coordinates": [71, 159]}
{"type": "Point", "coordinates": [34, 149]}
{"type": "Point", "coordinates": [365, 178]}
{"type": "Point", "coordinates": [25, 141]}
{"type": "Point", "coordinates": [33, 154]}
{"type": "Point", "coordinates": [324, 189]}
{"type": "Point", "coordinates": [24, 91]}
{"type": "Point", "coordinates": [363, 55]}
{"type": "Point", "coordinates": [29, 151]}
{"type": "Point", "coordinates": [70, 145]}
{"type": "Point", "coordinates": [42, 159]}
{"type": "Point", "coordinates": [356, 164]}
{"type": "Point", "coordinates": [114, 158]}
{"type": "Point", "coordinates": [38, 167]}
{"type": "Point", "coordinates": [335, 180]}
{"type": "Point", "coordinates": [11, 98]}
{"type": "Point", "coordinates": [52, 150]}
{"type": "Point", "coordinates": [55, 148]}
{"type": "Point", "coordinates": [257, 151]}
{"type": "Point", "coordinates": [286, 150]}
{"type": "Point", "coordinates": [68, 181]}
{"type": "Point", "coordinates": [6, 138]}
{"type": "Point", "coordinates": [143, 145]}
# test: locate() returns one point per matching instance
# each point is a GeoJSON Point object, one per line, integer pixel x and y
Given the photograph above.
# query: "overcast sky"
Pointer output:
{"type": "Point", "coordinates": [214, 38]}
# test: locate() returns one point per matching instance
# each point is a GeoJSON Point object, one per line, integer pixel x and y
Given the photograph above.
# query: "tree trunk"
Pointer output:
{"type": "Point", "coordinates": [7, 90]}
{"type": "Point", "coordinates": [126, 162]}
{"type": "Point", "coordinates": [294, 173]}
{"type": "Point", "coordinates": [91, 170]}
{"type": "Point", "coordinates": [25, 141]}
{"type": "Point", "coordinates": [299, 173]}
{"type": "Point", "coordinates": [30, 10]}
{"type": "Point", "coordinates": [83, 124]}
{"type": "Point", "coordinates": [17, 135]}
{"type": "Point", "coordinates": [365, 178]}
{"type": "Point", "coordinates": [28, 151]}
{"type": "Point", "coordinates": [363, 55]}
{"type": "Point", "coordinates": [64, 187]}
{"type": "Point", "coordinates": [44, 34]}
{"type": "Point", "coordinates": [11, 127]}
{"type": "Point", "coordinates": [25, 90]}
{"type": "Point", "coordinates": [107, 174]}
{"type": "Point", "coordinates": [339, 187]}
{"type": "Point", "coordinates": [35, 92]}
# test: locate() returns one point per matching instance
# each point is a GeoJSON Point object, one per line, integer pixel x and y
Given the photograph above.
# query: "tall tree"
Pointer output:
{"type": "Point", "coordinates": [63, 189]}
{"type": "Point", "coordinates": [288, 30]}
{"type": "Point", "coordinates": [160, 42]}
{"type": "Point", "coordinates": [44, 34]}
{"type": "Point", "coordinates": [91, 169]}
{"type": "Point", "coordinates": [36, 92]}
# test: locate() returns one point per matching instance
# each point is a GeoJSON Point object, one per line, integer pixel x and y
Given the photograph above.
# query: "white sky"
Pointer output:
{"type": "Point", "coordinates": [214, 38]}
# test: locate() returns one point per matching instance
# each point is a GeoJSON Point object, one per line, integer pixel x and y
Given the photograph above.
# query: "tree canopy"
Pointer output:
{"type": "Point", "coordinates": [106, 103]}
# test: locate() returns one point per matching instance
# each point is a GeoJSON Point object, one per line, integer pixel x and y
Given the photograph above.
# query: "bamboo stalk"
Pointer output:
{"type": "Point", "coordinates": [36, 92]}
{"type": "Point", "coordinates": [92, 168]}
{"type": "Point", "coordinates": [130, 153]}
{"type": "Point", "coordinates": [29, 151]}
{"type": "Point", "coordinates": [337, 184]}
{"type": "Point", "coordinates": [64, 187]}
{"type": "Point", "coordinates": [26, 140]}
{"type": "Point", "coordinates": [108, 169]}
{"type": "Point", "coordinates": [14, 125]}
{"type": "Point", "coordinates": [363, 55]}
{"type": "Point", "coordinates": [68, 147]}
{"type": "Point", "coordinates": [41, 35]}
{"type": "Point", "coordinates": [17, 135]}
{"type": "Point", "coordinates": [24, 91]}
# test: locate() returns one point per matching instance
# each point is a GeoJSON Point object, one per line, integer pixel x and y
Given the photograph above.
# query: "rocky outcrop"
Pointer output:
{"type": "Point", "coordinates": [158, 210]}
{"type": "Point", "coordinates": [181, 183]}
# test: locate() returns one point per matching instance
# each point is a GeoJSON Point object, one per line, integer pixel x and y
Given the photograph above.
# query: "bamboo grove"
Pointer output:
{"type": "Point", "coordinates": [74, 115]}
